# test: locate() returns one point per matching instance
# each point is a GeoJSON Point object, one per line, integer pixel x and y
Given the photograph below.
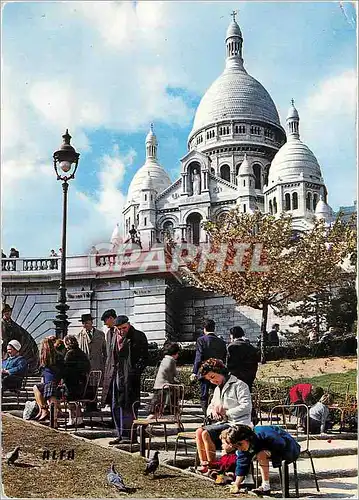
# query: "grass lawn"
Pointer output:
{"type": "Point", "coordinates": [85, 476]}
{"type": "Point", "coordinates": [349, 377]}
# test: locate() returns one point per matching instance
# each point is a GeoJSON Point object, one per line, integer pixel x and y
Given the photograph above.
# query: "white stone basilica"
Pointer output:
{"type": "Point", "coordinates": [238, 154]}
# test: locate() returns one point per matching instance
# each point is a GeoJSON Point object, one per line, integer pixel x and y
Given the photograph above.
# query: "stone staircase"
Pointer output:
{"type": "Point", "coordinates": [335, 455]}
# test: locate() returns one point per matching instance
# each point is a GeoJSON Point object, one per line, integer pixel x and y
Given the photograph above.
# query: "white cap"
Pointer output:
{"type": "Point", "coordinates": [15, 344]}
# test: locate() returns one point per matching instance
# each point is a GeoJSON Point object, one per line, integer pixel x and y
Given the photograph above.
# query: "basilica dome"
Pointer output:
{"type": "Point", "coordinates": [235, 94]}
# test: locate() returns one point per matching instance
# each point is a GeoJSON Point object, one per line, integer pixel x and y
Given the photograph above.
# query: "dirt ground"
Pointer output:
{"type": "Point", "coordinates": [296, 368]}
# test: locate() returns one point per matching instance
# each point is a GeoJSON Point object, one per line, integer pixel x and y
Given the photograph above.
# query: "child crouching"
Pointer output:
{"type": "Point", "coordinates": [264, 442]}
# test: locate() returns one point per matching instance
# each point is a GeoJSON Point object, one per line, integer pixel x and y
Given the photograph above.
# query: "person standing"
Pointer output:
{"type": "Point", "coordinates": [273, 339]}
{"type": "Point", "coordinates": [108, 319]}
{"type": "Point", "coordinates": [92, 342]}
{"type": "Point", "coordinates": [207, 346]}
{"type": "Point", "coordinates": [128, 357]}
{"type": "Point", "coordinates": [242, 357]}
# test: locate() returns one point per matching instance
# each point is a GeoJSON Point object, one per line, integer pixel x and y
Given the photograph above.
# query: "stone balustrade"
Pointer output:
{"type": "Point", "coordinates": [30, 264]}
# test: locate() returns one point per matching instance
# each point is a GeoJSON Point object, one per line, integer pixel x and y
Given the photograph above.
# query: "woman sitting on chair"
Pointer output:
{"type": "Point", "coordinates": [52, 366]}
{"type": "Point", "coordinates": [77, 368]}
{"type": "Point", "coordinates": [166, 374]}
{"type": "Point", "coordinates": [231, 404]}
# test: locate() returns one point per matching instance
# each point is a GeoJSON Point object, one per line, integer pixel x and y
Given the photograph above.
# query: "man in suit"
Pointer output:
{"type": "Point", "coordinates": [207, 346]}
{"type": "Point", "coordinates": [128, 357]}
{"type": "Point", "coordinates": [92, 342]}
{"type": "Point", "coordinates": [242, 357]}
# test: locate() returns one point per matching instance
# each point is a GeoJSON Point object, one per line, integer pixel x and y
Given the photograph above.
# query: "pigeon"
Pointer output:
{"type": "Point", "coordinates": [115, 479]}
{"type": "Point", "coordinates": [152, 465]}
{"type": "Point", "coordinates": [12, 456]}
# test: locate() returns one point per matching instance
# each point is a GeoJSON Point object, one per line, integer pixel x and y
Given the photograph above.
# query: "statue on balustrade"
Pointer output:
{"type": "Point", "coordinates": [134, 237]}
{"type": "Point", "coordinates": [12, 331]}
{"type": "Point", "coordinates": [196, 182]}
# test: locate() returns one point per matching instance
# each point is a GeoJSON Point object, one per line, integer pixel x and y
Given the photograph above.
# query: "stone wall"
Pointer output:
{"type": "Point", "coordinates": [153, 303]}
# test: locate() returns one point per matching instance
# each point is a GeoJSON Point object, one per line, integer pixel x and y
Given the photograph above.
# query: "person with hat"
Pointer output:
{"type": "Point", "coordinates": [14, 367]}
{"type": "Point", "coordinates": [109, 318]}
{"type": "Point", "coordinates": [93, 343]}
{"type": "Point", "coordinates": [128, 357]}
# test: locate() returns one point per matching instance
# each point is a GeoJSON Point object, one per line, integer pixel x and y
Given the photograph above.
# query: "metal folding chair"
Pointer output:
{"type": "Point", "coordinates": [93, 382]}
{"type": "Point", "coordinates": [168, 411]}
{"type": "Point", "coordinates": [284, 469]}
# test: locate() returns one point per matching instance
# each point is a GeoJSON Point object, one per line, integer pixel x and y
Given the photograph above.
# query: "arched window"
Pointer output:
{"type": "Point", "coordinates": [275, 205]}
{"type": "Point", "coordinates": [257, 172]}
{"type": "Point", "coordinates": [225, 173]}
{"type": "Point", "coordinates": [167, 229]}
{"type": "Point", "coordinates": [309, 201]}
{"type": "Point", "coordinates": [287, 201]}
{"type": "Point", "coordinates": [194, 227]}
{"type": "Point", "coordinates": [270, 207]}
{"type": "Point", "coordinates": [265, 175]}
{"type": "Point", "coordinates": [315, 200]}
{"type": "Point", "coordinates": [294, 201]}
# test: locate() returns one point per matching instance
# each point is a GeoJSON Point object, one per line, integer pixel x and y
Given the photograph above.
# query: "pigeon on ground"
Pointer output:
{"type": "Point", "coordinates": [12, 456]}
{"type": "Point", "coordinates": [152, 465]}
{"type": "Point", "coordinates": [115, 479]}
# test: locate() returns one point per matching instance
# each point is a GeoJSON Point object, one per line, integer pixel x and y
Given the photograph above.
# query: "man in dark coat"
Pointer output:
{"type": "Point", "coordinates": [273, 339]}
{"type": "Point", "coordinates": [242, 357]}
{"type": "Point", "coordinates": [108, 319]}
{"type": "Point", "coordinates": [207, 346]}
{"type": "Point", "coordinates": [128, 357]}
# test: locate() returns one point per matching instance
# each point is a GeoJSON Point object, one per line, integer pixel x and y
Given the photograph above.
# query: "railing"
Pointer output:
{"type": "Point", "coordinates": [35, 264]}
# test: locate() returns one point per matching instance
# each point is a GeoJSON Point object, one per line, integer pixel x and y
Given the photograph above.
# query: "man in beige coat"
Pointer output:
{"type": "Point", "coordinates": [92, 341]}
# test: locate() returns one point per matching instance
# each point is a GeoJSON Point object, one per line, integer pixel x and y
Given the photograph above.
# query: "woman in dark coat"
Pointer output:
{"type": "Point", "coordinates": [76, 370]}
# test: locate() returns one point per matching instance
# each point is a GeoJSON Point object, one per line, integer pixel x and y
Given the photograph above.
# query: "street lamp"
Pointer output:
{"type": "Point", "coordinates": [66, 160]}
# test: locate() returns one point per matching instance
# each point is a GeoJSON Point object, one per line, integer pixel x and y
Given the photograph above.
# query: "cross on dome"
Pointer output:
{"type": "Point", "coordinates": [233, 14]}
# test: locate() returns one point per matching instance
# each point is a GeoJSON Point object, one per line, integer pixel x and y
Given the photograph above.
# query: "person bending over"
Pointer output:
{"type": "Point", "coordinates": [265, 442]}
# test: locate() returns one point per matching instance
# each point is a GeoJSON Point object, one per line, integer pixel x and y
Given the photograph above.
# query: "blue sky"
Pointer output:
{"type": "Point", "coordinates": [106, 70]}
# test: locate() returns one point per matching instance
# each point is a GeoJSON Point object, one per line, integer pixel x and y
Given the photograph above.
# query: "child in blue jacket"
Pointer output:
{"type": "Point", "coordinates": [263, 442]}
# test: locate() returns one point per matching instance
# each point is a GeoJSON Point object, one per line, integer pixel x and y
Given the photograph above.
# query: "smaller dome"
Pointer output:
{"type": "Point", "coordinates": [323, 210]}
{"type": "Point", "coordinates": [116, 235]}
{"type": "Point", "coordinates": [233, 30]}
{"type": "Point", "coordinates": [245, 168]}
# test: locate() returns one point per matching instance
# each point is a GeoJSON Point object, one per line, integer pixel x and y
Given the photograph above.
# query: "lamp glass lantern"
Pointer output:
{"type": "Point", "coordinates": [66, 159]}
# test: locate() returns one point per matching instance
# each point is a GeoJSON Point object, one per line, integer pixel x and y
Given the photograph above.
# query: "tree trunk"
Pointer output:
{"type": "Point", "coordinates": [263, 332]}
{"type": "Point", "coordinates": [317, 318]}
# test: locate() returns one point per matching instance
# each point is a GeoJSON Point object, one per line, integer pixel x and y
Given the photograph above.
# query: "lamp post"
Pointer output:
{"type": "Point", "coordinates": [66, 160]}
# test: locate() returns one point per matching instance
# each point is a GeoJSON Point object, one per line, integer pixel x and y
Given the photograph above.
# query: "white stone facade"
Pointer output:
{"type": "Point", "coordinates": [238, 154]}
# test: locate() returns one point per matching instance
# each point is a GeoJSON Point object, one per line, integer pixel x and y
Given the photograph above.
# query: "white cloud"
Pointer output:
{"type": "Point", "coordinates": [336, 95]}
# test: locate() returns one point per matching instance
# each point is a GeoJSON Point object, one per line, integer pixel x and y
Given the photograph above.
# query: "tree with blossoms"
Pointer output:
{"type": "Point", "coordinates": [260, 262]}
